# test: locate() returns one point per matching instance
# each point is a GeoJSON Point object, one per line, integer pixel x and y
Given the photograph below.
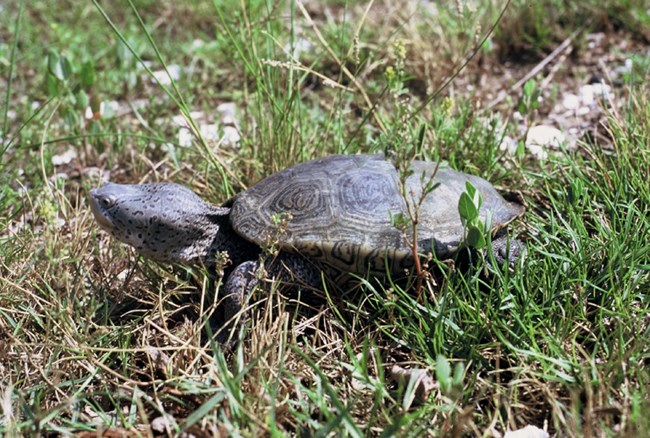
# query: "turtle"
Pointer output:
{"type": "Point", "coordinates": [335, 215]}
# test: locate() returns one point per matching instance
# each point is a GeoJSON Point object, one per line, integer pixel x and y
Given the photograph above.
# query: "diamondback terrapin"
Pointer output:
{"type": "Point", "coordinates": [335, 215]}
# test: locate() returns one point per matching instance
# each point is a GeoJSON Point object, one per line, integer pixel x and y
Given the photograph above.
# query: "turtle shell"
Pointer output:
{"type": "Point", "coordinates": [341, 211]}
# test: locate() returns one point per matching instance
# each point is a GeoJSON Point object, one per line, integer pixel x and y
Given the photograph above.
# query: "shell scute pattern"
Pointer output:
{"type": "Point", "coordinates": [342, 209]}
{"type": "Point", "coordinates": [366, 196]}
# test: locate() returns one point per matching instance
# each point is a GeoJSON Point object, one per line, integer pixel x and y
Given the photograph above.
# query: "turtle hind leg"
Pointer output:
{"type": "Point", "coordinates": [507, 251]}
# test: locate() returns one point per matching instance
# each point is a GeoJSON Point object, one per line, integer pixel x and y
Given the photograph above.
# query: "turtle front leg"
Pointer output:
{"type": "Point", "coordinates": [290, 269]}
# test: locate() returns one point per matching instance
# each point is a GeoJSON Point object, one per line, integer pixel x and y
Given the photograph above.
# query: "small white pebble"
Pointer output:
{"type": "Point", "coordinates": [570, 101]}
{"type": "Point", "coordinates": [508, 144]}
{"type": "Point", "coordinates": [299, 46]}
{"type": "Point", "coordinates": [160, 425]}
{"type": "Point", "coordinates": [583, 111]}
{"type": "Point", "coordinates": [209, 131]}
{"type": "Point", "coordinates": [587, 94]}
{"type": "Point", "coordinates": [517, 117]}
{"type": "Point", "coordinates": [601, 90]}
{"type": "Point", "coordinates": [629, 63]}
{"type": "Point", "coordinates": [527, 432]}
{"type": "Point", "coordinates": [231, 136]}
{"type": "Point", "coordinates": [109, 109]}
{"type": "Point", "coordinates": [626, 68]}
{"type": "Point", "coordinates": [179, 120]}
{"type": "Point", "coordinates": [185, 137]}
{"type": "Point", "coordinates": [64, 158]}
{"type": "Point", "coordinates": [543, 135]}
{"type": "Point", "coordinates": [227, 112]}
{"type": "Point", "coordinates": [162, 77]}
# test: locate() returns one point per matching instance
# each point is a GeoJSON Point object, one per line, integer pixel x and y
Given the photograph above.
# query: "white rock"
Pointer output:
{"type": "Point", "coordinates": [601, 90]}
{"type": "Point", "coordinates": [179, 120]}
{"type": "Point", "coordinates": [162, 77]}
{"type": "Point", "coordinates": [209, 131]}
{"type": "Point", "coordinates": [629, 63]}
{"type": "Point", "coordinates": [591, 93]}
{"type": "Point", "coordinates": [570, 101]}
{"type": "Point", "coordinates": [109, 109]}
{"type": "Point", "coordinates": [625, 68]}
{"type": "Point", "coordinates": [430, 7]}
{"type": "Point", "coordinates": [227, 112]}
{"type": "Point", "coordinates": [527, 432]}
{"type": "Point", "coordinates": [185, 137]}
{"type": "Point", "coordinates": [583, 111]}
{"type": "Point", "coordinates": [163, 424]}
{"type": "Point", "coordinates": [133, 105]}
{"type": "Point", "coordinates": [587, 94]}
{"type": "Point", "coordinates": [542, 137]}
{"type": "Point", "coordinates": [64, 158]}
{"type": "Point", "coordinates": [595, 39]}
{"type": "Point", "coordinates": [508, 144]}
{"type": "Point", "coordinates": [299, 46]}
{"type": "Point", "coordinates": [231, 136]}
{"type": "Point", "coordinates": [423, 380]}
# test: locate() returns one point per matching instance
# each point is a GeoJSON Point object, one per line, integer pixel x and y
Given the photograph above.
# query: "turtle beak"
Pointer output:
{"type": "Point", "coordinates": [101, 200]}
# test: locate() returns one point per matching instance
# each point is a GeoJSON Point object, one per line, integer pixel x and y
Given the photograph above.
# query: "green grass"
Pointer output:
{"type": "Point", "coordinates": [94, 338]}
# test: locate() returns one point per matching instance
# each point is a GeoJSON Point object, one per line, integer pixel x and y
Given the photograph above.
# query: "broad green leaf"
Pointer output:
{"type": "Point", "coordinates": [477, 199]}
{"type": "Point", "coordinates": [475, 237]}
{"type": "Point", "coordinates": [443, 373]}
{"type": "Point", "coordinates": [459, 373]}
{"type": "Point", "coordinates": [87, 73]}
{"type": "Point", "coordinates": [470, 189]}
{"type": "Point", "coordinates": [59, 66]}
{"type": "Point", "coordinates": [70, 116]}
{"type": "Point", "coordinates": [81, 100]}
{"type": "Point", "coordinates": [522, 108]}
{"type": "Point", "coordinates": [529, 88]}
{"type": "Point", "coordinates": [466, 208]}
{"type": "Point", "coordinates": [123, 56]}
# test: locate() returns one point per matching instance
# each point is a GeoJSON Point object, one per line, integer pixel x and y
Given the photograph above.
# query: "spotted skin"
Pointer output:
{"type": "Point", "coordinates": [168, 222]}
{"type": "Point", "coordinates": [338, 219]}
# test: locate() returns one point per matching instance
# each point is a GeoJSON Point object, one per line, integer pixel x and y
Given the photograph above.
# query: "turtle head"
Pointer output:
{"type": "Point", "coordinates": [164, 221]}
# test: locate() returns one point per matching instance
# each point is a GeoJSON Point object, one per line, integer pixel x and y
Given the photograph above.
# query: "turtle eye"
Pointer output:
{"type": "Point", "coordinates": [107, 201]}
